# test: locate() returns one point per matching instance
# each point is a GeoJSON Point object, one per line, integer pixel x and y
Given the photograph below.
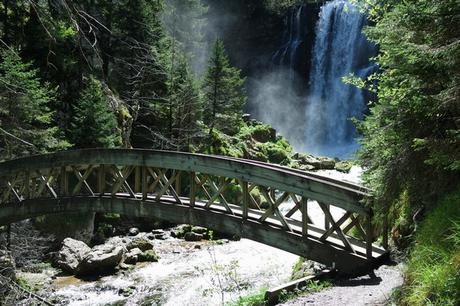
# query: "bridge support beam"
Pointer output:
{"type": "Point", "coordinates": [295, 243]}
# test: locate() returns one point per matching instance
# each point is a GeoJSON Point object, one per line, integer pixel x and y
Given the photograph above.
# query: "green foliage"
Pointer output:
{"type": "Point", "coordinates": [93, 123]}
{"type": "Point", "coordinates": [411, 139]}
{"type": "Point", "coordinates": [256, 299]}
{"type": "Point", "coordinates": [26, 120]}
{"type": "Point", "coordinates": [224, 95]}
{"type": "Point", "coordinates": [433, 271]}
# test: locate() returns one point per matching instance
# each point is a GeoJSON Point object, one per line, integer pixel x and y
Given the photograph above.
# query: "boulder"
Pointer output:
{"type": "Point", "coordinates": [199, 230]}
{"type": "Point", "coordinates": [344, 166]}
{"type": "Point", "coordinates": [264, 134]}
{"type": "Point", "coordinates": [141, 243]}
{"type": "Point", "coordinates": [306, 162]}
{"type": "Point", "coordinates": [134, 231]}
{"type": "Point", "coordinates": [191, 236]}
{"type": "Point", "coordinates": [149, 256]}
{"type": "Point", "coordinates": [179, 231]}
{"type": "Point", "coordinates": [132, 257]}
{"type": "Point", "coordinates": [71, 254]}
{"type": "Point", "coordinates": [102, 259]}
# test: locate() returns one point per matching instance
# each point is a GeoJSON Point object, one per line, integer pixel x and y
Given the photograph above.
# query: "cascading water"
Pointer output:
{"type": "Point", "coordinates": [293, 37]}
{"type": "Point", "coordinates": [340, 49]}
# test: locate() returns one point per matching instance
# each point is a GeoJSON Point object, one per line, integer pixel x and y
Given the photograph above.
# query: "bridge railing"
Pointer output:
{"type": "Point", "coordinates": [316, 208]}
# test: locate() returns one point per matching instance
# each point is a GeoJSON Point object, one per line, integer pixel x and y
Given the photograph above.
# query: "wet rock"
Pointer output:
{"type": "Point", "coordinates": [199, 230]}
{"type": "Point", "coordinates": [197, 246]}
{"type": "Point", "coordinates": [71, 254]}
{"type": "Point", "coordinates": [246, 117]}
{"type": "Point", "coordinates": [157, 231]}
{"type": "Point", "coordinates": [133, 231]}
{"type": "Point", "coordinates": [343, 166]}
{"type": "Point", "coordinates": [179, 231]}
{"type": "Point", "coordinates": [126, 292]}
{"type": "Point", "coordinates": [132, 257]}
{"type": "Point", "coordinates": [310, 162]}
{"type": "Point", "coordinates": [102, 259]}
{"type": "Point", "coordinates": [141, 243]}
{"type": "Point", "coordinates": [148, 256]}
{"type": "Point", "coordinates": [160, 237]}
{"type": "Point", "coordinates": [191, 236]}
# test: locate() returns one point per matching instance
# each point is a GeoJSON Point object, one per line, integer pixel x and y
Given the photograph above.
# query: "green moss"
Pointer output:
{"type": "Point", "coordinates": [148, 256]}
{"type": "Point", "coordinates": [433, 270]}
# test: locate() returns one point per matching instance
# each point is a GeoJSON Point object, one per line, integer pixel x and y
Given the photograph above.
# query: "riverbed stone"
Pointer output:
{"type": "Point", "coordinates": [102, 259]}
{"type": "Point", "coordinates": [133, 231]}
{"type": "Point", "coordinates": [132, 257]}
{"type": "Point", "coordinates": [179, 231]}
{"type": "Point", "coordinates": [141, 243]}
{"type": "Point", "coordinates": [310, 162]}
{"type": "Point", "coordinates": [148, 256]}
{"type": "Point", "coordinates": [71, 254]}
{"type": "Point", "coordinates": [191, 236]}
{"type": "Point", "coordinates": [199, 230]}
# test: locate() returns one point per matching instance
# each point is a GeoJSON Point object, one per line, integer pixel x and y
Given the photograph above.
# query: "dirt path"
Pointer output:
{"type": "Point", "coordinates": [366, 290]}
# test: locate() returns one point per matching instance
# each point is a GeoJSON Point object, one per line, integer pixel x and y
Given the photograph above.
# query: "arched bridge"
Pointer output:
{"type": "Point", "coordinates": [319, 218]}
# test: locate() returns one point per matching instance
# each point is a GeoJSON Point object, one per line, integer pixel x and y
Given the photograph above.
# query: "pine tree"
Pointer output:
{"type": "Point", "coordinates": [224, 92]}
{"type": "Point", "coordinates": [93, 123]}
{"type": "Point", "coordinates": [26, 121]}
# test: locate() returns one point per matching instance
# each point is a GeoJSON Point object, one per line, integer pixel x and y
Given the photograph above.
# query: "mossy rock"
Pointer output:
{"type": "Point", "coordinates": [343, 166]}
{"type": "Point", "coordinates": [141, 243]}
{"type": "Point", "coordinates": [179, 231]}
{"type": "Point", "coordinates": [148, 256]}
{"type": "Point", "coordinates": [263, 133]}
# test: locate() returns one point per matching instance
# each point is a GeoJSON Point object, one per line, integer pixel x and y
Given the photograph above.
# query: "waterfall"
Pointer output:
{"type": "Point", "coordinates": [293, 38]}
{"type": "Point", "coordinates": [340, 48]}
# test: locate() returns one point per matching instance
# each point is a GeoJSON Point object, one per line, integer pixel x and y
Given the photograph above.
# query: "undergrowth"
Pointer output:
{"type": "Point", "coordinates": [433, 271]}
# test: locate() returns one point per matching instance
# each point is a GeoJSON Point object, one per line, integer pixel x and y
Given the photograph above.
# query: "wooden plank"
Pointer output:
{"type": "Point", "coordinates": [145, 183]}
{"type": "Point", "coordinates": [305, 217]}
{"type": "Point", "coordinates": [137, 179]}
{"type": "Point", "coordinates": [335, 226]}
{"type": "Point", "coordinates": [272, 295]}
{"type": "Point", "coordinates": [369, 237]}
{"type": "Point", "coordinates": [245, 204]}
{"type": "Point", "coordinates": [339, 232]}
{"type": "Point", "coordinates": [101, 179]}
{"type": "Point", "coordinates": [192, 188]}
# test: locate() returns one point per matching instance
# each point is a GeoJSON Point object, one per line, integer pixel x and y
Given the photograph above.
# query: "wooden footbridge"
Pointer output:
{"type": "Point", "coordinates": [319, 218]}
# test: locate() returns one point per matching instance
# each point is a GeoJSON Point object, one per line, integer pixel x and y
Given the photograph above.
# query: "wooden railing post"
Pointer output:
{"type": "Point", "coordinates": [385, 229]}
{"type": "Point", "coordinates": [369, 235]}
{"type": "Point", "coordinates": [145, 185]}
{"type": "Point", "coordinates": [245, 199]}
{"type": "Point", "coordinates": [326, 219]}
{"type": "Point", "coordinates": [178, 183]}
{"type": "Point", "coordinates": [137, 179]}
{"type": "Point", "coordinates": [101, 179]}
{"type": "Point", "coordinates": [64, 188]}
{"type": "Point", "coordinates": [304, 210]}
{"type": "Point", "coordinates": [192, 188]}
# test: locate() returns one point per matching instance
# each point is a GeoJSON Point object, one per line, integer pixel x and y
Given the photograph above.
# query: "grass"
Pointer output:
{"type": "Point", "coordinates": [433, 270]}
{"type": "Point", "coordinates": [257, 299]}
